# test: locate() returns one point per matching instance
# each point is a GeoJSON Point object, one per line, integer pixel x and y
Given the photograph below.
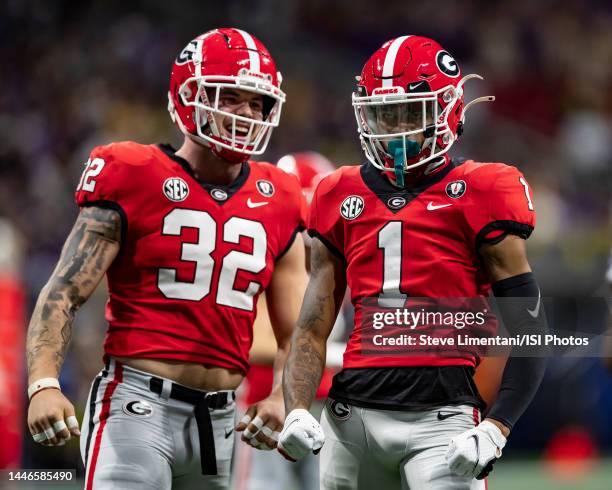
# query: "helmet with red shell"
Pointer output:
{"type": "Point", "coordinates": [408, 87]}
{"type": "Point", "coordinates": [218, 59]}
{"type": "Point", "coordinates": [309, 167]}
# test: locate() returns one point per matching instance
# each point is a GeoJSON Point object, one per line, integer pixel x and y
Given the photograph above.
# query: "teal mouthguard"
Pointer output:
{"type": "Point", "coordinates": [396, 149]}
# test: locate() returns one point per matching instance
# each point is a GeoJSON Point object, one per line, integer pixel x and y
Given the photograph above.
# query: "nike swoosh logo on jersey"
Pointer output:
{"type": "Point", "coordinates": [432, 207]}
{"type": "Point", "coordinates": [228, 432]}
{"type": "Point", "coordinates": [444, 416]}
{"type": "Point", "coordinates": [536, 311]}
{"type": "Point", "coordinates": [252, 204]}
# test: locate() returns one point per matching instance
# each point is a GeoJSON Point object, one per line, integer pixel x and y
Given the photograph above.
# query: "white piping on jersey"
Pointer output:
{"type": "Point", "coordinates": [254, 60]}
{"type": "Point", "coordinates": [390, 60]}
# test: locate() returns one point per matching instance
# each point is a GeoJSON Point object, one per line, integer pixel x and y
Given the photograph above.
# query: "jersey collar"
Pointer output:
{"type": "Point", "coordinates": [230, 189]}
{"type": "Point", "coordinates": [385, 190]}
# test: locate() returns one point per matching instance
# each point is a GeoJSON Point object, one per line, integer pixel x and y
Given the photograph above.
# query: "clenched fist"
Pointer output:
{"type": "Point", "coordinates": [51, 418]}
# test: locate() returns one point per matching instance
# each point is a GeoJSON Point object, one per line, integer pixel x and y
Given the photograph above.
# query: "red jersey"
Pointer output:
{"type": "Point", "coordinates": [420, 242]}
{"type": "Point", "coordinates": [194, 256]}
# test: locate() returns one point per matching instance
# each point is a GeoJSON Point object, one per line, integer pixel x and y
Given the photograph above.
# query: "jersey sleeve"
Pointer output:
{"type": "Point", "coordinates": [99, 184]}
{"type": "Point", "coordinates": [501, 204]}
{"type": "Point", "coordinates": [295, 213]}
{"type": "Point", "coordinates": [324, 216]}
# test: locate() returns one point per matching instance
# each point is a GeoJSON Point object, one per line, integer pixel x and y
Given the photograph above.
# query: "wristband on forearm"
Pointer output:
{"type": "Point", "coordinates": [42, 384]}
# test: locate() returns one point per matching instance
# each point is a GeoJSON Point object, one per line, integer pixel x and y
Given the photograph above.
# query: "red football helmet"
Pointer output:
{"type": "Point", "coordinates": [215, 60]}
{"type": "Point", "coordinates": [310, 167]}
{"type": "Point", "coordinates": [410, 87]}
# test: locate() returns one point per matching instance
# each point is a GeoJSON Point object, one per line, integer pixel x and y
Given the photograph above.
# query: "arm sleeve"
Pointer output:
{"type": "Point", "coordinates": [500, 204]}
{"type": "Point", "coordinates": [522, 375]}
{"type": "Point", "coordinates": [324, 220]}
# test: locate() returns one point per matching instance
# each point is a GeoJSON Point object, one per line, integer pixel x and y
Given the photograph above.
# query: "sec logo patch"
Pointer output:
{"type": "Point", "coordinates": [340, 410]}
{"type": "Point", "coordinates": [455, 189]}
{"type": "Point", "coordinates": [175, 189]}
{"type": "Point", "coordinates": [351, 207]}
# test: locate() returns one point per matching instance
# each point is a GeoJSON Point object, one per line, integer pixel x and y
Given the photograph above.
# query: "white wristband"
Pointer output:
{"type": "Point", "coordinates": [41, 384]}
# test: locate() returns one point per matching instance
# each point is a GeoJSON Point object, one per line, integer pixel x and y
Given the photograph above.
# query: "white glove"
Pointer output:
{"type": "Point", "coordinates": [473, 452]}
{"type": "Point", "coordinates": [301, 435]}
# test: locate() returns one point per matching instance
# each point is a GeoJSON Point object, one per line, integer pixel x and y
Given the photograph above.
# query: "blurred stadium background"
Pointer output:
{"type": "Point", "coordinates": [78, 74]}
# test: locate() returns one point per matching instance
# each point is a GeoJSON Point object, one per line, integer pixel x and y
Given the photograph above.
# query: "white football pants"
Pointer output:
{"type": "Point", "coordinates": [136, 438]}
{"type": "Point", "coordinates": [369, 449]}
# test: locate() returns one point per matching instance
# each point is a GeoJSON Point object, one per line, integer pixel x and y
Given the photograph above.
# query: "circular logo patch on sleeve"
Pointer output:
{"type": "Point", "coordinates": [176, 189]}
{"type": "Point", "coordinates": [265, 188]}
{"type": "Point", "coordinates": [351, 207]}
{"type": "Point", "coordinates": [455, 189]}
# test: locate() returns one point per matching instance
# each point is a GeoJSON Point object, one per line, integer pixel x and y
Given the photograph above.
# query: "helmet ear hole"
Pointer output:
{"type": "Point", "coordinates": [186, 93]}
{"type": "Point", "coordinates": [268, 105]}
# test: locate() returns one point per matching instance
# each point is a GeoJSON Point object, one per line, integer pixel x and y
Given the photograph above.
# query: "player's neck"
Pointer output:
{"type": "Point", "coordinates": [207, 166]}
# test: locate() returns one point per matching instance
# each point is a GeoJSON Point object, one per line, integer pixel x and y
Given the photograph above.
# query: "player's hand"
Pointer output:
{"type": "Point", "coordinates": [474, 452]}
{"type": "Point", "coordinates": [301, 435]}
{"type": "Point", "coordinates": [51, 418]}
{"type": "Point", "coordinates": [262, 422]}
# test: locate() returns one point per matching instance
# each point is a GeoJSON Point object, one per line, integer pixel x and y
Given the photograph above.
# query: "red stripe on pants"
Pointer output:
{"type": "Point", "coordinates": [476, 416]}
{"type": "Point", "coordinates": [104, 413]}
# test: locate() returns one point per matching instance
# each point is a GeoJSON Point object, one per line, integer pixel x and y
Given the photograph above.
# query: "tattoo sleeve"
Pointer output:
{"type": "Point", "coordinates": [89, 250]}
{"type": "Point", "coordinates": [322, 301]}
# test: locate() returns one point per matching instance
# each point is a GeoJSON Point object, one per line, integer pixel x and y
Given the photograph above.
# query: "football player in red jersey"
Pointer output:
{"type": "Point", "coordinates": [188, 240]}
{"type": "Point", "coordinates": [411, 222]}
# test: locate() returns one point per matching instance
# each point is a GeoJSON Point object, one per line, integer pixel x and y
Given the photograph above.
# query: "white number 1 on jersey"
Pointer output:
{"type": "Point", "coordinates": [390, 242]}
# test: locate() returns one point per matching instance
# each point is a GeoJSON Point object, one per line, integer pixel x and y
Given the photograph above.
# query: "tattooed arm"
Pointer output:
{"type": "Point", "coordinates": [89, 250]}
{"type": "Point", "coordinates": [284, 297]}
{"type": "Point", "coordinates": [321, 304]}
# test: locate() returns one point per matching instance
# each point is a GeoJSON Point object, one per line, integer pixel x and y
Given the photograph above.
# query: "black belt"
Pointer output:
{"type": "Point", "coordinates": [202, 402]}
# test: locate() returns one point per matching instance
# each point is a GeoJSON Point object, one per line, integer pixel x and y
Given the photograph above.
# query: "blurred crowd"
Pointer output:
{"type": "Point", "coordinates": [79, 74]}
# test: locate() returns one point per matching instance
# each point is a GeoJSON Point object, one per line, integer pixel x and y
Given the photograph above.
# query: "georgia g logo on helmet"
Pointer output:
{"type": "Point", "coordinates": [187, 54]}
{"type": "Point", "coordinates": [447, 64]}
